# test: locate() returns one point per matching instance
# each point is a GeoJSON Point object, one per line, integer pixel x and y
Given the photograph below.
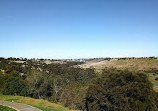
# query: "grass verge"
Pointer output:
{"type": "Point", "coordinates": [39, 103]}
{"type": "Point", "coordinates": [5, 108]}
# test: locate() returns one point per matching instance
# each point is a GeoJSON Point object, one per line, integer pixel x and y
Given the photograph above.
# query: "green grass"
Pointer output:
{"type": "Point", "coordinates": [49, 109]}
{"type": "Point", "coordinates": [5, 108]}
{"type": "Point", "coordinates": [39, 103]}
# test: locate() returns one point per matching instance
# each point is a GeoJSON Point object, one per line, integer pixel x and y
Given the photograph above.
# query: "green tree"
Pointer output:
{"type": "Point", "coordinates": [15, 86]}
{"type": "Point", "coordinates": [40, 85]}
{"type": "Point", "coordinates": [2, 79]}
{"type": "Point", "coordinates": [120, 91]}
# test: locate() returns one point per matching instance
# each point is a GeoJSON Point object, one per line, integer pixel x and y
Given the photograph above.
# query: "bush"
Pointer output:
{"type": "Point", "coordinates": [120, 91]}
{"type": "Point", "coordinates": [156, 78]}
{"type": "Point", "coordinates": [1, 80]}
{"type": "Point", "coordinates": [15, 86]}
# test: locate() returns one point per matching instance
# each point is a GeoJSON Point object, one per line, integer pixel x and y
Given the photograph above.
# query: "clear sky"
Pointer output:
{"type": "Point", "coordinates": [78, 28]}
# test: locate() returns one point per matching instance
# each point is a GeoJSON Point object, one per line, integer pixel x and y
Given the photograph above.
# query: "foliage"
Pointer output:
{"type": "Point", "coordinates": [156, 98]}
{"type": "Point", "coordinates": [15, 86]}
{"type": "Point", "coordinates": [67, 83]}
{"type": "Point", "coordinates": [40, 86]}
{"type": "Point", "coordinates": [120, 91]}
{"type": "Point", "coordinates": [74, 63]}
{"type": "Point", "coordinates": [1, 81]}
{"type": "Point", "coordinates": [73, 95]}
{"type": "Point", "coordinates": [156, 78]}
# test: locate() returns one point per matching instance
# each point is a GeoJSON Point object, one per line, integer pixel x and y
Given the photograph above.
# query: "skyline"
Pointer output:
{"type": "Point", "coordinates": [78, 29]}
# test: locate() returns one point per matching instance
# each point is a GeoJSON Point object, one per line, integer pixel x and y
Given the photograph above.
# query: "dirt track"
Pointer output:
{"type": "Point", "coordinates": [19, 106]}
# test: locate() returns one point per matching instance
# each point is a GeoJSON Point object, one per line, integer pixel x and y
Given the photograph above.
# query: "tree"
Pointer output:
{"type": "Point", "coordinates": [40, 85]}
{"type": "Point", "coordinates": [120, 91]}
{"type": "Point", "coordinates": [15, 86]}
{"type": "Point", "coordinates": [1, 80]}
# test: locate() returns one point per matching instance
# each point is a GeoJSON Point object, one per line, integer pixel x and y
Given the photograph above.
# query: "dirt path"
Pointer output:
{"type": "Point", "coordinates": [19, 106]}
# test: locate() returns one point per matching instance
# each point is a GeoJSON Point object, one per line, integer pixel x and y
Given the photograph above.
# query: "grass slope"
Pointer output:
{"type": "Point", "coordinates": [5, 108]}
{"type": "Point", "coordinates": [144, 64]}
{"type": "Point", "coordinates": [39, 103]}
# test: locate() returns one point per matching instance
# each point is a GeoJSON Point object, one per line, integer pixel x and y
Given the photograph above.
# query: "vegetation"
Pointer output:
{"type": "Point", "coordinates": [54, 82]}
{"type": "Point", "coordinates": [39, 103]}
{"type": "Point", "coordinates": [120, 91]}
{"type": "Point", "coordinates": [5, 108]}
{"type": "Point", "coordinates": [15, 86]}
{"type": "Point", "coordinates": [65, 82]}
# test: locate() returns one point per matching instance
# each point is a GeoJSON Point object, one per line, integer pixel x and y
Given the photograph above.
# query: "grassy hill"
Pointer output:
{"type": "Point", "coordinates": [138, 64]}
{"type": "Point", "coordinates": [146, 65]}
{"type": "Point", "coordinates": [39, 103]}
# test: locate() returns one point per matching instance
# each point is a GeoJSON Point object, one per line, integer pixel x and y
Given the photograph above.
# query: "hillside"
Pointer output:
{"type": "Point", "coordinates": [39, 103]}
{"type": "Point", "coordinates": [46, 82]}
{"type": "Point", "coordinates": [145, 65]}
{"type": "Point", "coordinates": [54, 80]}
{"type": "Point", "coordinates": [137, 64]}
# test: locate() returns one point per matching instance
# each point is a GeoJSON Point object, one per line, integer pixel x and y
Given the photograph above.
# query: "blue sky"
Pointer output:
{"type": "Point", "coordinates": [78, 28]}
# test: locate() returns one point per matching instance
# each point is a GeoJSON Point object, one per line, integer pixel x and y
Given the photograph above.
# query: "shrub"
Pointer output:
{"type": "Point", "coordinates": [120, 91]}
{"type": "Point", "coordinates": [15, 86]}
{"type": "Point", "coordinates": [156, 78]}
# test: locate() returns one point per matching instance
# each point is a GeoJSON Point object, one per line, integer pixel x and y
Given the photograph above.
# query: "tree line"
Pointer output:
{"type": "Point", "coordinates": [77, 88]}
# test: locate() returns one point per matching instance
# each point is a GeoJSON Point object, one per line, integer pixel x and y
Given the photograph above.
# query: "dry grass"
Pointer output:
{"type": "Point", "coordinates": [144, 65]}
{"type": "Point", "coordinates": [131, 64]}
